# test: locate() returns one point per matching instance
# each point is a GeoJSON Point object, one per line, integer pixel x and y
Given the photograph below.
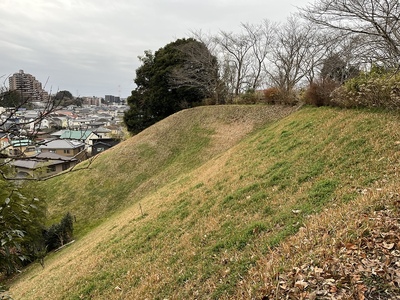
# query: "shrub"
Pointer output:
{"type": "Point", "coordinates": [319, 93]}
{"type": "Point", "coordinates": [377, 88]}
{"type": "Point", "coordinates": [249, 97]}
{"type": "Point", "coordinates": [272, 95]}
{"type": "Point", "coordinates": [59, 234]}
{"type": "Point", "coordinates": [275, 95]}
{"type": "Point", "coordinates": [288, 97]}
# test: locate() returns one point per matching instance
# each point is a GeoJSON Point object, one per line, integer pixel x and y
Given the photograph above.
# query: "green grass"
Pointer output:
{"type": "Point", "coordinates": [212, 211]}
{"type": "Point", "coordinates": [104, 195]}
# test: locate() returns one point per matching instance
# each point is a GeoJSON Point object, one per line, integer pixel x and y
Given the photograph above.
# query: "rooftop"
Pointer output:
{"type": "Point", "coordinates": [61, 144]}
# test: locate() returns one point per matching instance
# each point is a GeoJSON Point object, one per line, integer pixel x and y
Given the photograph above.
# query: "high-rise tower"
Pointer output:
{"type": "Point", "coordinates": [27, 85]}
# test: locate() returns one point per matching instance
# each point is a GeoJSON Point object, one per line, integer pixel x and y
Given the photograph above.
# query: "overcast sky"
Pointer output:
{"type": "Point", "coordinates": [90, 47]}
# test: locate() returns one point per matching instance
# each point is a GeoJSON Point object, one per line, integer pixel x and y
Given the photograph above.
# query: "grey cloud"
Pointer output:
{"type": "Point", "coordinates": [91, 47]}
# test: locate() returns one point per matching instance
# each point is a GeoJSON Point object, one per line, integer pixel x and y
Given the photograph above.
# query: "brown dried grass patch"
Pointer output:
{"type": "Point", "coordinates": [335, 254]}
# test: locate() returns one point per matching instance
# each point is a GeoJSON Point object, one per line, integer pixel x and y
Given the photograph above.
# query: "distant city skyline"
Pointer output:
{"type": "Point", "coordinates": [32, 89]}
{"type": "Point", "coordinates": [91, 48]}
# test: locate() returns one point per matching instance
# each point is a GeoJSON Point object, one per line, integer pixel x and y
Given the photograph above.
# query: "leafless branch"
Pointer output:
{"type": "Point", "coordinates": [377, 22]}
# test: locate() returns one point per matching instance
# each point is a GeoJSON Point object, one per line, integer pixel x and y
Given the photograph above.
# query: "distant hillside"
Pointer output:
{"type": "Point", "coordinates": [233, 202]}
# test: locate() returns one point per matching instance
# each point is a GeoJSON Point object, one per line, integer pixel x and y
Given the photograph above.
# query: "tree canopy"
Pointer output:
{"type": "Point", "coordinates": [65, 98]}
{"type": "Point", "coordinates": [61, 95]}
{"type": "Point", "coordinates": [180, 75]}
{"type": "Point", "coordinates": [10, 99]}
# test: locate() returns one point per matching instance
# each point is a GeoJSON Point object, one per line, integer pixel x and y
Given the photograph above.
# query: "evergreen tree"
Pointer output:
{"type": "Point", "coordinates": [168, 81]}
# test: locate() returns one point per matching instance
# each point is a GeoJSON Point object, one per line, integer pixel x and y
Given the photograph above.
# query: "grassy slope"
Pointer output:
{"type": "Point", "coordinates": [152, 159]}
{"type": "Point", "coordinates": [217, 201]}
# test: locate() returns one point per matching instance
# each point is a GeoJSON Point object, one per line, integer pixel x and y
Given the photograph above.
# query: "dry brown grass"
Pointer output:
{"type": "Point", "coordinates": [325, 259]}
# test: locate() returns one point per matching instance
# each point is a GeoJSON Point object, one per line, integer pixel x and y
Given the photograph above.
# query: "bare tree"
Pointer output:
{"type": "Point", "coordinates": [377, 22]}
{"type": "Point", "coordinates": [289, 62]}
{"type": "Point", "coordinates": [262, 37]}
{"type": "Point", "coordinates": [317, 47]}
{"type": "Point", "coordinates": [199, 70]}
{"type": "Point", "coordinates": [236, 50]}
{"type": "Point", "coordinates": [208, 40]}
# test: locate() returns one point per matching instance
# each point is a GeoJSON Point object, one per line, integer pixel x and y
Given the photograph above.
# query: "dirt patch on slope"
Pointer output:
{"type": "Point", "coordinates": [235, 122]}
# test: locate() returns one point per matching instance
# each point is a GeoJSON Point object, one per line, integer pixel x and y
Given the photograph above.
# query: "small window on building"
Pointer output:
{"type": "Point", "coordinates": [51, 169]}
{"type": "Point", "coordinates": [66, 151]}
{"type": "Point", "coordinates": [65, 166]}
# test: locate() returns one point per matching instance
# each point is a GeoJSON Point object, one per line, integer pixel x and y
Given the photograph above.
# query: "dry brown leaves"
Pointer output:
{"type": "Point", "coordinates": [368, 267]}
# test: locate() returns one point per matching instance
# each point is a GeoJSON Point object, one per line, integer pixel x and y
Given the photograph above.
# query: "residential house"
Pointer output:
{"type": "Point", "coordinates": [95, 124]}
{"type": "Point", "coordinates": [103, 132]}
{"type": "Point", "coordinates": [21, 147]}
{"type": "Point", "coordinates": [35, 124]}
{"type": "Point", "coordinates": [79, 123]}
{"type": "Point", "coordinates": [59, 121]}
{"type": "Point", "coordinates": [79, 135]}
{"type": "Point", "coordinates": [57, 134]}
{"type": "Point", "coordinates": [101, 140]}
{"type": "Point", "coordinates": [65, 113]}
{"type": "Point", "coordinates": [69, 148]}
{"type": "Point", "coordinates": [116, 131]}
{"type": "Point", "coordinates": [101, 145]}
{"type": "Point", "coordinates": [95, 141]}
{"type": "Point", "coordinates": [88, 137]}
{"type": "Point", "coordinates": [107, 122]}
{"type": "Point", "coordinates": [42, 165]}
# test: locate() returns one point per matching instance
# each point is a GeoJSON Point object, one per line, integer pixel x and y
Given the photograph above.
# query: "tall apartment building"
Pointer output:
{"type": "Point", "coordinates": [91, 101]}
{"type": "Point", "coordinates": [112, 99]}
{"type": "Point", "coordinates": [28, 86]}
